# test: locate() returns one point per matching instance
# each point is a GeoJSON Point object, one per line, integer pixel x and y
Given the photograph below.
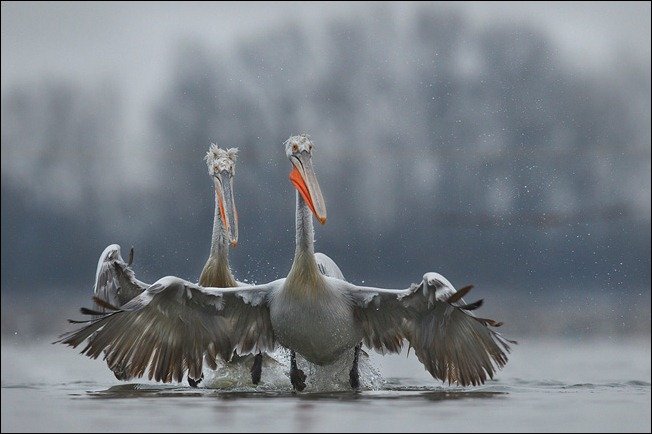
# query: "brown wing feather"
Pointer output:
{"type": "Point", "coordinates": [174, 327]}
{"type": "Point", "coordinates": [453, 345]}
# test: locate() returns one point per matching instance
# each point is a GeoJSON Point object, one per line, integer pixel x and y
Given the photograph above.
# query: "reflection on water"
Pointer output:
{"type": "Point", "coordinates": [395, 391]}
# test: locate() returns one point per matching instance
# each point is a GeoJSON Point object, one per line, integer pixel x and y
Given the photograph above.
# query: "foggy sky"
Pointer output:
{"type": "Point", "coordinates": [132, 43]}
{"type": "Point", "coordinates": [546, 104]}
{"type": "Point", "coordinates": [131, 46]}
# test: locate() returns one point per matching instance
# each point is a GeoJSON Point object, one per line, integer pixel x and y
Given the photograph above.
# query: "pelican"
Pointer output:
{"type": "Point", "coordinates": [176, 326]}
{"type": "Point", "coordinates": [116, 283]}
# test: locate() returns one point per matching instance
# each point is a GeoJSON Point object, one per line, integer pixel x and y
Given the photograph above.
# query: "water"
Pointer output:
{"type": "Point", "coordinates": [549, 385]}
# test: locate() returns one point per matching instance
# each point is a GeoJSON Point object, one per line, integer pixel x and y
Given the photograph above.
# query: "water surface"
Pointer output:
{"type": "Point", "coordinates": [549, 385]}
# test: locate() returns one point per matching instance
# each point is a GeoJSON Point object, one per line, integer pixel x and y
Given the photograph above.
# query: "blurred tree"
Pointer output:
{"type": "Point", "coordinates": [440, 146]}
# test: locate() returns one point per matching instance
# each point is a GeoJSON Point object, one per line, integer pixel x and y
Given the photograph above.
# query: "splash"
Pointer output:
{"type": "Point", "coordinates": [236, 375]}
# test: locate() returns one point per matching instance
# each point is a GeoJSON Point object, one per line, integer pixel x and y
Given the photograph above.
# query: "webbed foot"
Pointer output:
{"type": "Point", "coordinates": [297, 377]}
{"type": "Point", "coordinates": [193, 383]}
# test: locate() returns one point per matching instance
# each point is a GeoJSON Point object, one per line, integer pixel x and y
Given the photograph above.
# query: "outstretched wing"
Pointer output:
{"type": "Point", "coordinates": [174, 326]}
{"type": "Point", "coordinates": [115, 282]}
{"type": "Point", "coordinates": [453, 344]}
{"type": "Point", "coordinates": [246, 309]}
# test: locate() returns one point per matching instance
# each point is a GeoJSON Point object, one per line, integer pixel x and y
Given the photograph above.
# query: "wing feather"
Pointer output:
{"type": "Point", "coordinates": [176, 326]}
{"type": "Point", "coordinates": [115, 281]}
{"type": "Point", "coordinates": [452, 344]}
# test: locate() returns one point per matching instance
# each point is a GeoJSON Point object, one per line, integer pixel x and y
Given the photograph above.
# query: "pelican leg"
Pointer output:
{"type": "Point", "coordinates": [297, 377]}
{"type": "Point", "coordinates": [257, 368]}
{"type": "Point", "coordinates": [193, 383]}
{"type": "Point", "coordinates": [354, 374]}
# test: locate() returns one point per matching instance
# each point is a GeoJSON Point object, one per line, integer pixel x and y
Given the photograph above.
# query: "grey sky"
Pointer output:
{"type": "Point", "coordinates": [540, 140]}
{"type": "Point", "coordinates": [92, 39]}
{"type": "Point", "coordinates": [131, 43]}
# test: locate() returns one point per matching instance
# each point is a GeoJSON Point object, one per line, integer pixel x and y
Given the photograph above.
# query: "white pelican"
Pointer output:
{"type": "Point", "coordinates": [216, 272]}
{"type": "Point", "coordinates": [115, 281]}
{"type": "Point", "coordinates": [175, 325]}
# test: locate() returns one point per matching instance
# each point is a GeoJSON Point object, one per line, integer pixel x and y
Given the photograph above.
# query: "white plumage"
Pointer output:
{"type": "Point", "coordinates": [176, 326]}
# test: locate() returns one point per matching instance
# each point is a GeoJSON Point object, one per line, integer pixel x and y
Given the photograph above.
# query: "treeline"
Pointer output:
{"type": "Point", "coordinates": [474, 152]}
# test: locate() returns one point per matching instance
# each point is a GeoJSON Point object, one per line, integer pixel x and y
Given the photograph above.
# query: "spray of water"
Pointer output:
{"type": "Point", "coordinates": [236, 375]}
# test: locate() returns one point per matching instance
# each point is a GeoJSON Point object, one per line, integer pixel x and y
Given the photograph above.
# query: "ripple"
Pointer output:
{"type": "Point", "coordinates": [559, 385]}
{"type": "Point", "coordinates": [391, 388]}
{"type": "Point", "coordinates": [134, 392]}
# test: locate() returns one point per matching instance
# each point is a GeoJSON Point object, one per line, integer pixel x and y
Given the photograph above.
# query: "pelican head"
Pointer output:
{"type": "Point", "coordinates": [299, 150]}
{"type": "Point", "coordinates": [221, 167]}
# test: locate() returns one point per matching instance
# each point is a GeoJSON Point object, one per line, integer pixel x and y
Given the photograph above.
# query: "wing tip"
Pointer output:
{"type": "Point", "coordinates": [104, 304]}
{"type": "Point", "coordinates": [457, 296]}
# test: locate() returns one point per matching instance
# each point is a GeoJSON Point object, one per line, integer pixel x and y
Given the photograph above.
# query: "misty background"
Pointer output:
{"type": "Point", "coordinates": [503, 145]}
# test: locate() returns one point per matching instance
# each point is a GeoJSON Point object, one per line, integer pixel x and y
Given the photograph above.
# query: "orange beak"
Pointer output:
{"type": "Point", "coordinates": [304, 180]}
{"type": "Point", "coordinates": [226, 203]}
{"type": "Point", "coordinates": [300, 185]}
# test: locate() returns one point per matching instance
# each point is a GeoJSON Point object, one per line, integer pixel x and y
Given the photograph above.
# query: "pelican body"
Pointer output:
{"type": "Point", "coordinates": [322, 325]}
{"type": "Point", "coordinates": [176, 326]}
{"type": "Point", "coordinates": [115, 281]}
